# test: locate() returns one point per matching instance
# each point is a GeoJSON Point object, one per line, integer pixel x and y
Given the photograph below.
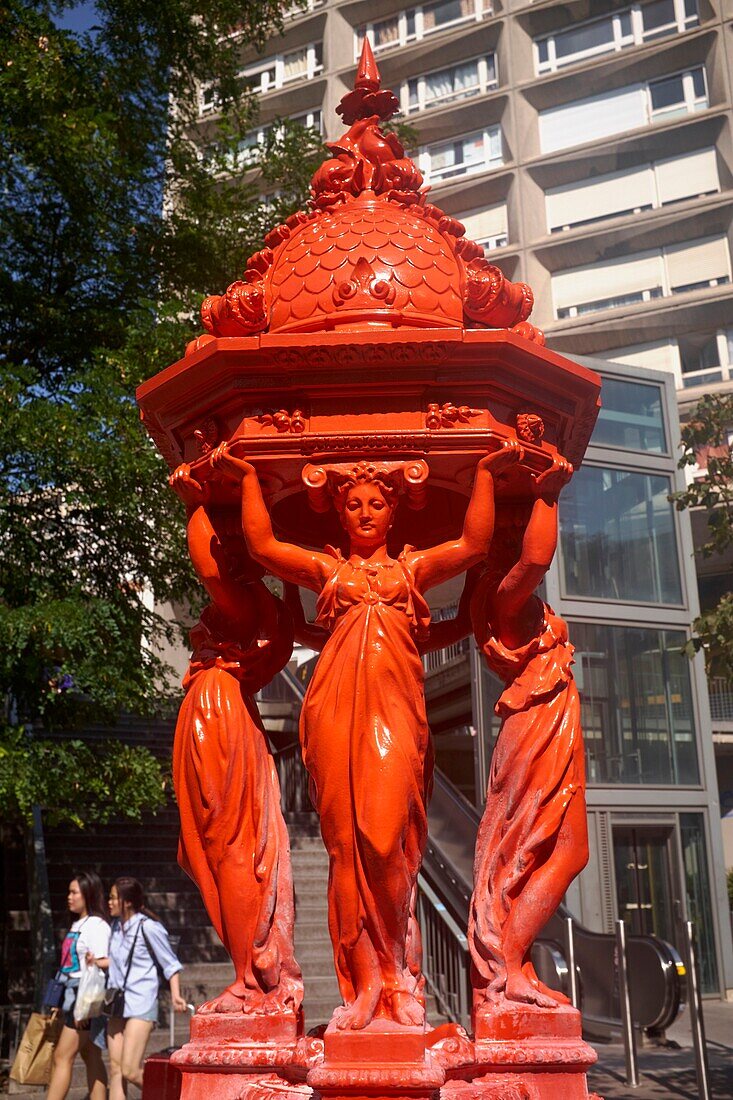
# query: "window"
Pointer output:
{"type": "Point", "coordinates": [487, 226]}
{"type": "Point", "coordinates": [697, 264]}
{"type": "Point", "coordinates": [706, 358]}
{"type": "Point", "coordinates": [300, 64]}
{"type": "Point", "coordinates": [448, 85]}
{"type": "Point", "coordinates": [417, 22]}
{"type": "Point", "coordinates": [635, 189]}
{"type": "Point", "coordinates": [676, 269]}
{"type": "Point", "coordinates": [244, 156]}
{"type": "Point", "coordinates": [302, 8]}
{"type": "Point", "coordinates": [677, 95]}
{"type": "Point", "coordinates": [622, 109]}
{"type": "Point", "coordinates": [629, 27]}
{"type": "Point", "coordinates": [462, 157]}
{"type": "Point", "coordinates": [609, 284]}
{"type": "Point", "coordinates": [695, 358]}
{"type": "Point", "coordinates": [630, 417]}
{"type": "Point", "coordinates": [636, 704]}
{"type": "Point", "coordinates": [618, 537]}
{"type": "Point", "coordinates": [208, 100]}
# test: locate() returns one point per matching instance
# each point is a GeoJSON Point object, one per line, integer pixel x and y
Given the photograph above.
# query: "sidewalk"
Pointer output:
{"type": "Point", "coordinates": [666, 1074]}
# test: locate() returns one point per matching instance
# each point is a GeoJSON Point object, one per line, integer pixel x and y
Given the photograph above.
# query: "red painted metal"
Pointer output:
{"type": "Point", "coordinates": [368, 414]}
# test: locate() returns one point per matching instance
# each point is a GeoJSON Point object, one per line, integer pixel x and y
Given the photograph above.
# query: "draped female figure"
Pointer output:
{"type": "Point", "coordinates": [233, 839]}
{"type": "Point", "coordinates": [532, 840]}
{"type": "Point", "coordinates": [364, 731]}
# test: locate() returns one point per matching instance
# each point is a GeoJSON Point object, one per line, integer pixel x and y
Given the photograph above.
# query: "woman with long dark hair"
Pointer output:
{"type": "Point", "coordinates": [87, 939]}
{"type": "Point", "coordinates": [139, 950]}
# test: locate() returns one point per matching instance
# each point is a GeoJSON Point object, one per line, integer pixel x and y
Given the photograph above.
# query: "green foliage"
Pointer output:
{"type": "Point", "coordinates": [99, 291]}
{"type": "Point", "coordinates": [75, 782]}
{"type": "Point", "coordinates": [706, 436]}
{"type": "Point", "coordinates": [707, 431]}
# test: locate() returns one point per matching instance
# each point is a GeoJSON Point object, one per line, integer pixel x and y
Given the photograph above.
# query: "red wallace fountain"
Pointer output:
{"type": "Point", "coordinates": [369, 414]}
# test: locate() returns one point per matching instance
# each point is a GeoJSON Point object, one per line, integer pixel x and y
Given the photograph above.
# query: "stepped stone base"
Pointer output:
{"type": "Point", "coordinates": [520, 1052]}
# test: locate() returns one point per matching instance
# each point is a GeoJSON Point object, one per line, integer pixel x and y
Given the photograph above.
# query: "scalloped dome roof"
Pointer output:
{"type": "Point", "coordinates": [365, 262]}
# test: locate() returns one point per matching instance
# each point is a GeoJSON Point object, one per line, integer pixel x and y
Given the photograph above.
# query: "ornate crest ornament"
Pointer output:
{"type": "Point", "coordinates": [370, 250]}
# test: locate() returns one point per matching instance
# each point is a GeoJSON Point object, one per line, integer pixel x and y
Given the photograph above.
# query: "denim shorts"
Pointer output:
{"type": "Point", "coordinates": [97, 1027]}
{"type": "Point", "coordinates": [151, 1014]}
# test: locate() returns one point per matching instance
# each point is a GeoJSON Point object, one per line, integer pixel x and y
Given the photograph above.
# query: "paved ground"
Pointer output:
{"type": "Point", "coordinates": [665, 1074]}
{"type": "Point", "coordinates": [670, 1074]}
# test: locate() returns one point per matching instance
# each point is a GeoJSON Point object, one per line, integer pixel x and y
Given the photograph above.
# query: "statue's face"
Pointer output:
{"type": "Point", "coordinates": [366, 516]}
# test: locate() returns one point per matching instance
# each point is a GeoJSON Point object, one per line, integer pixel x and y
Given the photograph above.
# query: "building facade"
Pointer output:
{"type": "Point", "coordinates": [588, 147]}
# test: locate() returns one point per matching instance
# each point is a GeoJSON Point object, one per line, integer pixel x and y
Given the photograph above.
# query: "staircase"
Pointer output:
{"type": "Point", "coordinates": [312, 942]}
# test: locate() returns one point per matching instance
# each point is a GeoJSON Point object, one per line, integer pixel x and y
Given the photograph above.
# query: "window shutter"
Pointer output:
{"type": "Point", "coordinates": [610, 279]}
{"type": "Point", "coordinates": [594, 118]}
{"type": "Point", "coordinates": [482, 224]}
{"type": "Point", "coordinates": [682, 177]}
{"type": "Point", "coordinates": [697, 261]}
{"type": "Point", "coordinates": [574, 203]}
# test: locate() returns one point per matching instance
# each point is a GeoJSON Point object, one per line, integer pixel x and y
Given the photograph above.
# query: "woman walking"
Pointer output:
{"type": "Point", "coordinates": [139, 949]}
{"type": "Point", "coordinates": [88, 937]}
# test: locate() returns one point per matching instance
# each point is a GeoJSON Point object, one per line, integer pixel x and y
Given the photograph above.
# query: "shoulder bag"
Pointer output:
{"type": "Point", "coordinates": [114, 998]}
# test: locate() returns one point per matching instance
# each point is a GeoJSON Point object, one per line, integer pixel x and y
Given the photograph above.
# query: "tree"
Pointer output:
{"type": "Point", "coordinates": [706, 442]}
{"type": "Point", "coordinates": [99, 290]}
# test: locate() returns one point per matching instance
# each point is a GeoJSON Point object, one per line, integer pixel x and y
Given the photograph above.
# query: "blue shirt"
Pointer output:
{"type": "Point", "coordinates": [141, 989]}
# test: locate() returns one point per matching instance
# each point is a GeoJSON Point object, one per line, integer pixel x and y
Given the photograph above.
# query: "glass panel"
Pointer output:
{"type": "Point", "coordinates": [410, 23]}
{"type": "Point", "coordinates": [659, 14]}
{"type": "Point", "coordinates": [448, 11]}
{"type": "Point", "coordinates": [450, 83]}
{"type": "Point", "coordinates": [618, 537]}
{"type": "Point", "coordinates": [580, 40]}
{"type": "Point", "coordinates": [630, 417]}
{"type": "Point", "coordinates": [644, 881]}
{"type": "Point", "coordinates": [543, 52]}
{"type": "Point", "coordinates": [386, 33]}
{"type": "Point", "coordinates": [624, 20]}
{"type": "Point", "coordinates": [295, 64]}
{"type": "Point", "coordinates": [636, 704]}
{"type": "Point", "coordinates": [667, 93]}
{"type": "Point", "coordinates": [697, 886]}
{"type": "Point", "coordinates": [698, 83]}
{"type": "Point", "coordinates": [691, 9]}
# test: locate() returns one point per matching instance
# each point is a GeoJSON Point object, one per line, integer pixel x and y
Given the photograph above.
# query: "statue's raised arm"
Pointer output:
{"type": "Point", "coordinates": [449, 559]}
{"type": "Point", "coordinates": [284, 559]}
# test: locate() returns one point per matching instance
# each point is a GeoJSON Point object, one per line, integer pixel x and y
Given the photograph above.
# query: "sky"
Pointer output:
{"type": "Point", "coordinates": [78, 18]}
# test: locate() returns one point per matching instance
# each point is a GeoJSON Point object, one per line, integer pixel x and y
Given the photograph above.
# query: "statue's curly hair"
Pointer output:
{"type": "Point", "coordinates": [364, 473]}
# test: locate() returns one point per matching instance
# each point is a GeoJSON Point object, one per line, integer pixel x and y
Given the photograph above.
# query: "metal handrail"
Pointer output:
{"type": "Point", "coordinates": [446, 963]}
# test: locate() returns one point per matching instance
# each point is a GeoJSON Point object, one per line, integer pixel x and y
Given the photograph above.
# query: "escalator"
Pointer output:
{"type": "Point", "coordinates": [656, 972]}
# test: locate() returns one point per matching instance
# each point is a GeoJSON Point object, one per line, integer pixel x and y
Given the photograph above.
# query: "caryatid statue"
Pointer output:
{"type": "Point", "coordinates": [364, 730]}
{"type": "Point", "coordinates": [234, 842]}
{"type": "Point", "coordinates": [533, 837]}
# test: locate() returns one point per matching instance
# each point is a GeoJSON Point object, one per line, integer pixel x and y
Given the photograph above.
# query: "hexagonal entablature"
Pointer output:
{"type": "Point", "coordinates": [446, 397]}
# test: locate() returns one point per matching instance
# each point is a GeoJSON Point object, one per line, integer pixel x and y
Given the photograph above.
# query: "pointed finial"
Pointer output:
{"type": "Point", "coordinates": [366, 99]}
{"type": "Point", "coordinates": [367, 75]}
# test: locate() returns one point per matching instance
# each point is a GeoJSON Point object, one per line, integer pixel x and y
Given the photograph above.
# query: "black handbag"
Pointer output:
{"type": "Point", "coordinates": [114, 997]}
{"type": "Point", "coordinates": [53, 996]}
